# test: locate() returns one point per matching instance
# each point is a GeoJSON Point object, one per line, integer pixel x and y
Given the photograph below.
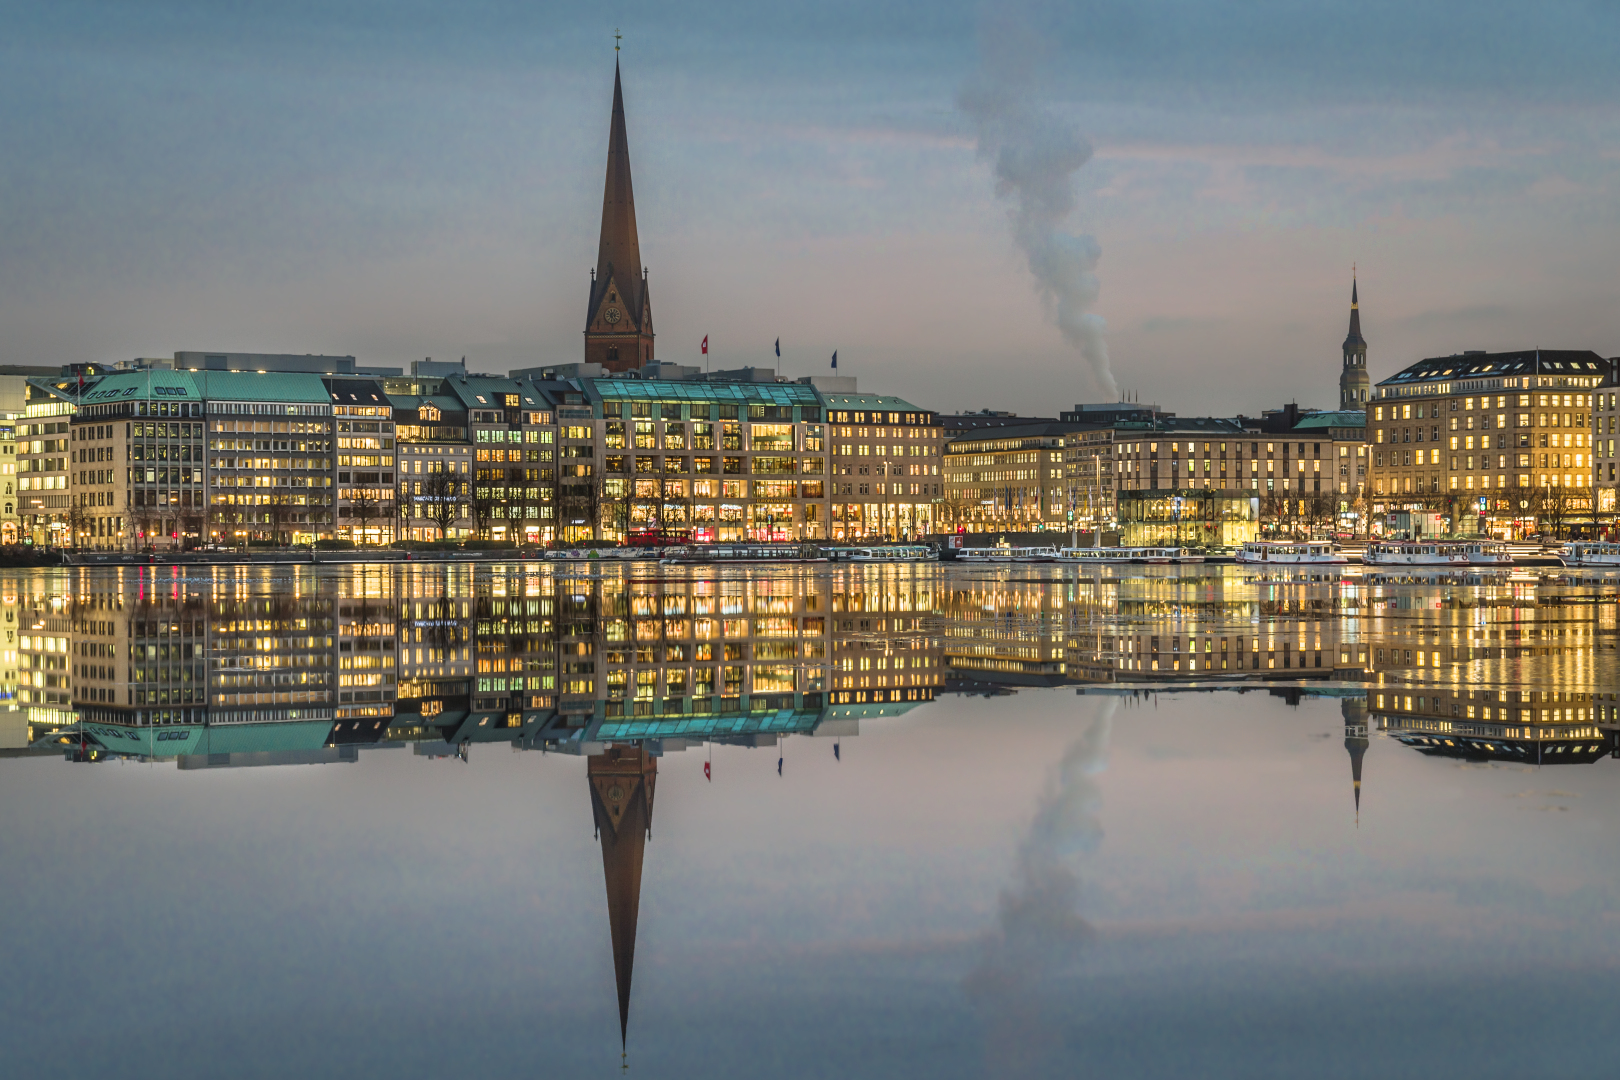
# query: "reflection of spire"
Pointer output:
{"type": "Point", "coordinates": [1355, 741]}
{"type": "Point", "coordinates": [622, 784]}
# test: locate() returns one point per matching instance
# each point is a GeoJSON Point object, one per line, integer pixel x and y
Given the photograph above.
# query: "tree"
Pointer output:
{"type": "Point", "coordinates": [1552, 507]}
{"type": "Point", "coordinates": [141, 518]}
{"type": "Point", "coordinates": [481, 502]}
{"type": "Point", "coordinates": [191, 524]}
{"type": "Point", "coordinates": [406, 510]}
{"type": "Point", "coordinates": [78, 522]}
{"type": "Point", "coordinates": [281, 517]}
{"type": "Point", "coordinates": [442, 493]}
{"type": "Point", "coordinates": [362, 508]}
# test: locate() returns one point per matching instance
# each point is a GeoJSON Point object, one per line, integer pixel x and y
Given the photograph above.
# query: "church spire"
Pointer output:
{"type": "Point", "coordinates": [1354, 338]}
{"type": "Point", "coordinates": [622, 784]}
{"type": "Point", "coordinates": [618, 321]}
{"type": "Point", "coordinates": [1355, 385]}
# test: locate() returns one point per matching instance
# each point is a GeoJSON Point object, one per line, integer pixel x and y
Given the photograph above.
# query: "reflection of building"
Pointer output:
{"type": "Point", "coordinates": [622, 781]}
{"type": "Point", "coordinates": [1355, 741]}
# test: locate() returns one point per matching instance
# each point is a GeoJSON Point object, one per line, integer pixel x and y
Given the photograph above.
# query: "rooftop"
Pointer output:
{"type": "Point", "coordinates": [743, 393]}
{"type": "Point", "coordinates": [1482, 365]}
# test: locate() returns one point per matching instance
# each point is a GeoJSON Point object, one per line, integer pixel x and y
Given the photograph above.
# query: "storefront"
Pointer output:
{"type": "Point", "coordinates": [1183, 517]}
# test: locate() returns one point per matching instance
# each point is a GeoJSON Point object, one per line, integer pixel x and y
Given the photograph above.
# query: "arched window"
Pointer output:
{"type": "Point", "coordinates": [612, 353]}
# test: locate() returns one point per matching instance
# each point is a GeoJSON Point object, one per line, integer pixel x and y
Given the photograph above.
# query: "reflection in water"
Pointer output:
{"type": "Point", "coordinates": [622, 782]}
{"type": "Point", "coordinates": [225, 667]}
{"type": "Point", "coordinates": [1040, 928]}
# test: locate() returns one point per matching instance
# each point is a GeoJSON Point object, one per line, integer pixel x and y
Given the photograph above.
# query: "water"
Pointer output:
{"type": "Point", "coordinates": [1038, 854]}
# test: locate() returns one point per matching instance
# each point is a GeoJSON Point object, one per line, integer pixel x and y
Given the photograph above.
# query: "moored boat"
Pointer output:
{"type": "Point", "coordinates": [1006, 554]}
{"type": "Point", "coordinates": [1290, 552]}
{"type": "Point", "coordinates": [1415, 553]}
{"type": "Point", "coordinates": [882, 553]}
{"type": "Point", "coordinates": [1590, 553]}
{"type": "Point", "coordinates": [1157, 555]}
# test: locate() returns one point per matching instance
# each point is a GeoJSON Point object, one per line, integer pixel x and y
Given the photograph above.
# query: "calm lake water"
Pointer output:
{"type": "Point", "coordinates": [433, 820]}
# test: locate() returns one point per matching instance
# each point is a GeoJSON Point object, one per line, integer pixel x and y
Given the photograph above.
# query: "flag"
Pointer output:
{"type": "Point", "coordinates": [706, 774]}
{"type": "Point", "coordinates": [835, 360]}
{"type": "Point", "coordinates": [778, 347]}
{"type": "Point", "coordinates": [778, 766]}
{"type": "Point", "coordinates": [705, 344]}
{"type": "Point", "coordinates": [836, 757]}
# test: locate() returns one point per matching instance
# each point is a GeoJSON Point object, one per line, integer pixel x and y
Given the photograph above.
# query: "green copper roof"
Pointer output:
{"type": "Point", "coordinates": [142, 385]}
{"type": "Point", "coordinates": [269, 386]}
{"type": "Point", "coordinates": [870, 401]}
{"type": "Point", "coordinates": [724, 393]}
{"type": "Point", "coordinates": [1348, 418]}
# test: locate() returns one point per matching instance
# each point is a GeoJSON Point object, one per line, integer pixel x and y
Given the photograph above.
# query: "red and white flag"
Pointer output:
{"type": "Point", "coordinates": [705, 344]}
{"type": "Point", "coordinates": [706, 774]}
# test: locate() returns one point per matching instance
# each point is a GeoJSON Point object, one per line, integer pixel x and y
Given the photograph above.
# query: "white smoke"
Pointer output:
{"type": "Point", "coordinates": [1039, 929]}
{"type": "Point", "coordinates": [1036, 156]}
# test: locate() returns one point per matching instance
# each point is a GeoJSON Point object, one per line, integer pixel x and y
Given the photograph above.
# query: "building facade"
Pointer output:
{"type": "Point", "coordinates": [1502, 442]}
{"type": "Point", "coordinates": [1605, 462]}
{"type": "Point", "coordinates": [42, 459]}
{"type": "Point", "coordinates": [887, 459]}
{"type": "Point", "coordinates": [1007, 479]}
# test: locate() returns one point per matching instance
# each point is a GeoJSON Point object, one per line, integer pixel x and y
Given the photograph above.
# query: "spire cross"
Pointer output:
{"type": "Point", "coordinates": [616, 37]}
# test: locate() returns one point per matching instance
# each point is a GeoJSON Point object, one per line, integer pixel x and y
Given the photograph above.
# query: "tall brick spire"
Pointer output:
{"type": "Point", "coordinates": [618, 321]}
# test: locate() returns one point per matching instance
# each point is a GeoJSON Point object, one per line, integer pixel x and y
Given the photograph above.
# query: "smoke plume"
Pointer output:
{"type": "Point", "coordinates": [1036, 156]}
{"type": "Point", "coordinates": [1039, 929]}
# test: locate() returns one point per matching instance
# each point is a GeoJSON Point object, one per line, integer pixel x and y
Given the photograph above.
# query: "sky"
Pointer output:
{"type": "Point", "coordinates": [404, 179]}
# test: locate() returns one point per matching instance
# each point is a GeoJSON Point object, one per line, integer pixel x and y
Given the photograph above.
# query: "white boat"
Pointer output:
{"type": "Point", "coordinates": [1590, 553]}
{"type": "Point", "coordinates": [1290, 552]}
{"type": "Point", "coordinates": [1486, 553]}
{"type": "Point", "coordinates": [1160, 555]}
{"type": "Point", "coordinates": [1006, 554]}
{"type": "Point", "coordinates": [1415, 553]}
{"type": "Point", "coordinates": [883, 553]}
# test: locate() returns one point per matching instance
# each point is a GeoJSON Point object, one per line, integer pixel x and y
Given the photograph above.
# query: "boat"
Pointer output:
{"type": "Point", "coordinates": [1590, 553]}
{"type": "Point", "coordinates": [1415, 553]}
{"type": "Point", "coordinates": [1486, 552]}
{"type": "Point", "coordinates": [744, 553]}
{"type": "Point", "coordinates": [1290, 552]}
{"type": "Point", "coordinates": [1158, 555]}
{"type": "Point", "coordinates": [1006, 554]}
{"type": "Point", "coordinates": [882, 553]}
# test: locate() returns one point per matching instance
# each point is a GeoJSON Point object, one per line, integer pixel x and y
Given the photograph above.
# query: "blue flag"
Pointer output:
{"type": "Point", "coordinates": [836, 756]}
{"type": "Point", "coordinates": [778, 766]}
{"type": "Point", "coordinates": [835, 361]}
{"type": "Point", "coordinates": [778, 346]}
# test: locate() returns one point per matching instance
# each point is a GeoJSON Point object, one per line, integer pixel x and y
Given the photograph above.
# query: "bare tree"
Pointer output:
{"type": "Point", "coordinates": [192, 519]}
{"type": "Point", "coordinates": [442, 493]}
{"type": "Point", "coordinates": [281, 517]}
{"type": "Point", "coordinates": [78, 523]}
{"type": "Point", "coordinates": [481, 502]}
{"type": "Point", "coordinates": [362, 508]}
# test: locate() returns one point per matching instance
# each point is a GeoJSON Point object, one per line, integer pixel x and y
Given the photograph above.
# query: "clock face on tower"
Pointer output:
{"type": "Point", "coordinates": [612, 316]}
